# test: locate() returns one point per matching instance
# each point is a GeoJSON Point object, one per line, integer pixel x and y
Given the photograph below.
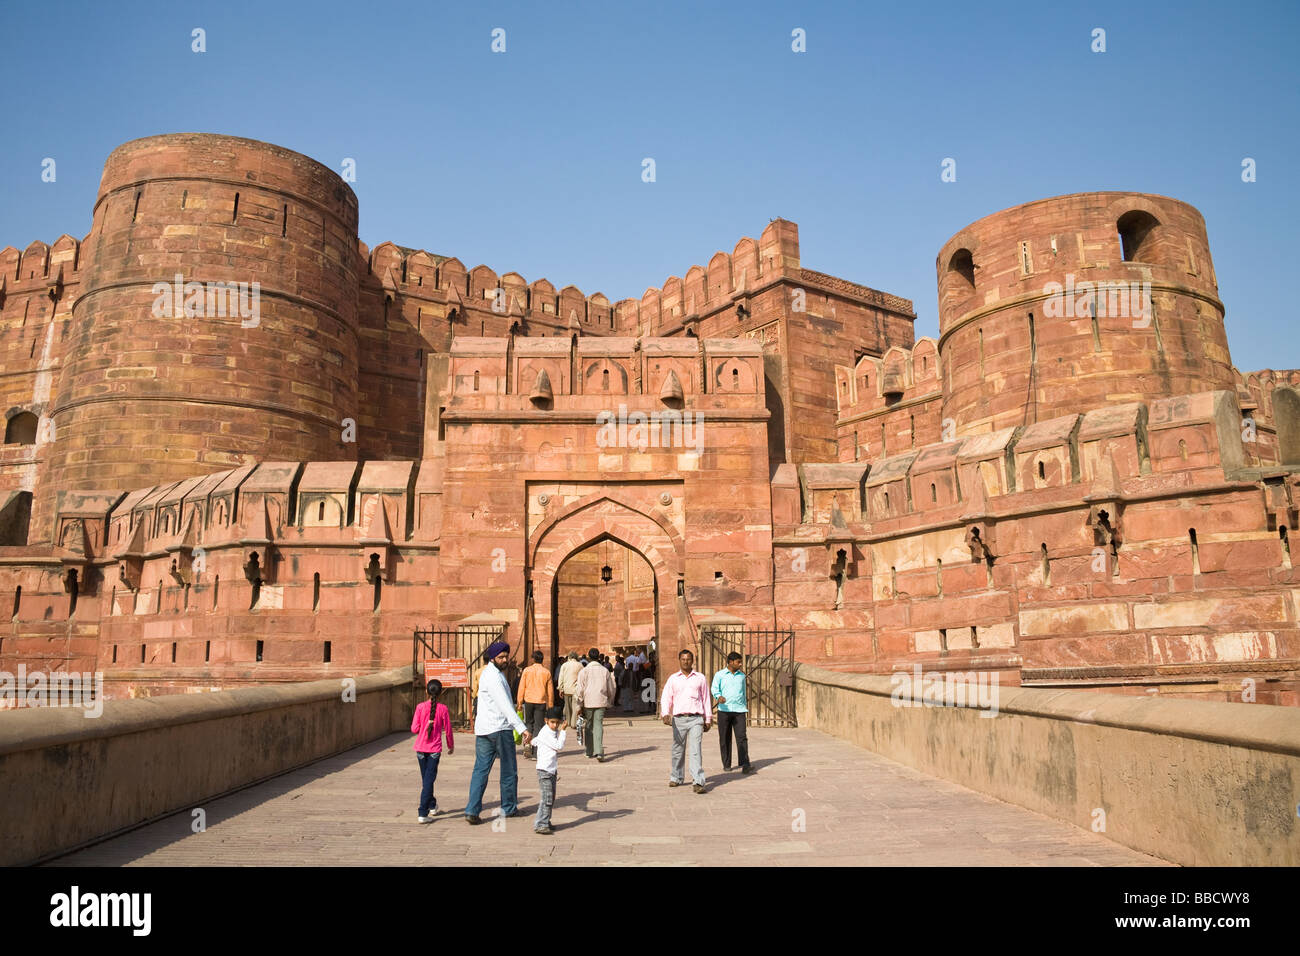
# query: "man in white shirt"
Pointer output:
{"type": "Point", "coordinates": [494, 727]}
{"type": "Point", "coordinates": [568, 684]}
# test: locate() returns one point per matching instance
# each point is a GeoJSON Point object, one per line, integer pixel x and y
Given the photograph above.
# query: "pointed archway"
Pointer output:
{"type": "Point", "coordinates": [603, 518]}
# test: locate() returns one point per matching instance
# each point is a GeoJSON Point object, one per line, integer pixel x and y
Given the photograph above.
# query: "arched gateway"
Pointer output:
{"type": "Point", "coordinates": [603, 517]}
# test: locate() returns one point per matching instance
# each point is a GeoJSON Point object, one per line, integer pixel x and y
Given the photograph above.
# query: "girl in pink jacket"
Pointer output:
{"type": "Point", "coordinates": [431, 722]}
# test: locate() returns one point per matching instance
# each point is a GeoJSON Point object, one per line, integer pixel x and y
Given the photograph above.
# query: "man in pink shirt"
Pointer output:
{"type": "Point", "coordinates": [685, 707]}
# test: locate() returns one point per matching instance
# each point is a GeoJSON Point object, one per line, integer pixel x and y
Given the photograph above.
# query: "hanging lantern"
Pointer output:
{"type": "Point", "coordinates": [606, 572]}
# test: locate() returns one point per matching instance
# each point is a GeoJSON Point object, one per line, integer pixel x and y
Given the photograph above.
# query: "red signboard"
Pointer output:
{"type": "Point", "coordinates": [452, 671]}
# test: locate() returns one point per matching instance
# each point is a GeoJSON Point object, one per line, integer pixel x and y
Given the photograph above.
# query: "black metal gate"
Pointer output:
{"type": "Point", "coordinates": [453, 641]}
{"type": "Point", "coordinates": [768, 662]}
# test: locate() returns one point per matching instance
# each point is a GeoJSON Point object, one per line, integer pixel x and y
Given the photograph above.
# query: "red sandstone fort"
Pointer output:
{"type": "Point", "coordinates": [1073, 486]}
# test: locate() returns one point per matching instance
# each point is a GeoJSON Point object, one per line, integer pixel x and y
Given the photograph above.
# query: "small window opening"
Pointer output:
{"type": "Point", "coordinates": [185, 195]}
{"type": "Point", "coordinates": [1196, 551]}
{"type": "Point", "coordinates": [1135, 238]}
{"type": "Point", "coordinates": [934, 495]}
{"type": "Point", "coordinates": [315, 592]}
{"type": "Point", "coordinates": [135, 212]}
{"type": "Point", "coordinates": [328, 651]}
{"type": "Point", "coordinates": [1042, 471]}
{"type": "Point", "coordinates": [207, 651]}
{"type": "Point", "coordinates": [1286, 546]}
{"type": "Point", "coordinates": [476, 381]}
{"type": "Point", "coordinates": [1047, 564]}
{"type": "Point", "coordinates": [284, 222]}
{"type": "Point", "coordinates": [260, 646]}
{"type": "Point", "coordinates": [173, 652]}
{"type": "Point", "coordinates": [234, 215]}
{"type": "Point", "coordinates": [320, 512]}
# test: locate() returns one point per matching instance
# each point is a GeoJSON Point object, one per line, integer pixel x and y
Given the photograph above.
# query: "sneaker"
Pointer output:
{"type": "Point", "coordinates": [600, 759]}
{"type": "Point", "coordinates": [424, 819]}
{"type": "Point", "coordinates": [544, 831]}
{"type": "Point", "coordinates": [698, 787]}
{"type": "Point", "coordinates": [674, 783]}
{"type": "Point", "coordinates": [473, 821]}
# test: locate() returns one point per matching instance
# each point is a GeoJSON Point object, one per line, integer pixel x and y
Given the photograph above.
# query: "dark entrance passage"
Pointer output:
{"type": "Point", "coordinates": [606, 596]}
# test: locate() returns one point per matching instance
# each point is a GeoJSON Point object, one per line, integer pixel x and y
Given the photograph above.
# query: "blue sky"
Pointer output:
{"type": "Point", "coordinates": [530, 160]}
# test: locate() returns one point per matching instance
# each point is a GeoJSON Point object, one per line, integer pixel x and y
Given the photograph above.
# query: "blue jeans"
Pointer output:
{"type": "Point", "coordinates": [546, 784]}
{"type": "Point", "coordinates": [428, 774]}
{"type": "Point", "coordinates": [486, 750]}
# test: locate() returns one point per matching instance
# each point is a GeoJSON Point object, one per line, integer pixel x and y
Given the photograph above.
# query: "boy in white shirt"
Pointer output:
{"type": "Point", "coordinates": [548, 742]}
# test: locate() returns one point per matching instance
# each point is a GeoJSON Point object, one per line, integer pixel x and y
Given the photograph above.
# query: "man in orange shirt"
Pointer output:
{"type": "Point", "coordinates": [536, 694]}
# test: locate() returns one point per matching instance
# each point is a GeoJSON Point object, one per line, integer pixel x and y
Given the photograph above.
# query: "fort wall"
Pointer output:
{"type": "Point", "coordinates": [1078, 501]}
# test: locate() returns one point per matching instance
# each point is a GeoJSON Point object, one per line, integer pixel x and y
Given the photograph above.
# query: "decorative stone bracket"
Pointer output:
{"type": "Point", "coordinates": [1103, 519]}
{"type": "Point", "coordinates": [377, 545]}
{"type": "Point", "coordinates": [256, 568]}
{"type": "Point", "coordinates": [981, 548]}
{"type": "Point", "coordinates": [130, 562]}
{"type": "Point", "coordinates": [257, 545]}
{"type": "Point", "coordinates": [182, 566]}
{"type": "Point", "coordinates": [182, 552]}
{"type": "Point", "coordinates": [847, 565]}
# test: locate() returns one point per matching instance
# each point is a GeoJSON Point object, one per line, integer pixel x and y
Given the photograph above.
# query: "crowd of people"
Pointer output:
{"type": "Point", "coordinates": [541, 707]}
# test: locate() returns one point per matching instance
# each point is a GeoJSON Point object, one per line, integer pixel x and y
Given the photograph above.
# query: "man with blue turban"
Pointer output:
{"type": "Point", "coordinates": [494, 728]}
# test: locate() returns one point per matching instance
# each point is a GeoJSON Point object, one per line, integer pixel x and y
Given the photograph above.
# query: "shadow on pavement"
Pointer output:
{"type": "Point", "coordinates": [721, 776]}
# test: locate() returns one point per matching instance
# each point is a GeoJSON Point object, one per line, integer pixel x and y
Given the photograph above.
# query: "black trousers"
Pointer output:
{"type": "Point", "coordinates": [534, 718]}
{"type": "Point", "coordinates": [728, 724]}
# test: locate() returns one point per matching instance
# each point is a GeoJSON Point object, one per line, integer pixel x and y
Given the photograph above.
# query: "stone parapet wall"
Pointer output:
{"type": "Point", "coordinates": [1196, 783]}
{"type": "Point", "coordinates": [67, 779]}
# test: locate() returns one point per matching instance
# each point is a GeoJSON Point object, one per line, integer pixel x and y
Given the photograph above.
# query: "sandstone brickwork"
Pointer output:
{"type": "Point", "coordinates": [1072, 486]}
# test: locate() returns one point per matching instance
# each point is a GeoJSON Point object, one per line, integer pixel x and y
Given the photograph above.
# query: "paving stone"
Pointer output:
{"type": "Point", "coordinates": [877, 813]}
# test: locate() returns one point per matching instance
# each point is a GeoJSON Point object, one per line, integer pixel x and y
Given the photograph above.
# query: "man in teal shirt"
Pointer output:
{"type": "Point", "coordinates": [728, 692]}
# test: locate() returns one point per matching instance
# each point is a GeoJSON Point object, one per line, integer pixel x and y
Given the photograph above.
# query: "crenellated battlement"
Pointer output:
{"type": "Point", "coordinates": [542, 374]}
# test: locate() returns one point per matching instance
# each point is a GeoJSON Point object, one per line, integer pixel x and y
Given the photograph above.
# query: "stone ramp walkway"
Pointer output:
{"type": "Point", "coordinates": [857, 808]}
